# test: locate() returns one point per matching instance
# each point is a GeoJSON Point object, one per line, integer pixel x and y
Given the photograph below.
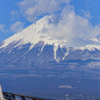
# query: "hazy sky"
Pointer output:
{"type": "Point", "coordinates": [18, 14]}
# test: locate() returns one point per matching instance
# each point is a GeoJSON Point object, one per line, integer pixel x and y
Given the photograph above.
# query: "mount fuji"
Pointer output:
{"type": "Point", "coordinates": [42, 54]}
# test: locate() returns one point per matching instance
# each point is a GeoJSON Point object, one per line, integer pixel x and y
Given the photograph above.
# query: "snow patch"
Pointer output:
{"type": "Point", "coordinates": [55, 49]}
{"type": "Point", "coordinates": [66, 53]}
{"type": "Point", "coordinates": [32, 45]}
{"type": "Point", "coordinates": [42, 47]}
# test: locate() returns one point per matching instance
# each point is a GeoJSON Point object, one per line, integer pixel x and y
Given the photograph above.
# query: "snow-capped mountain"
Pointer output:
{"type": "Point", "coordinates": [34, 35]}
{"type": "Point", "coordinates": [32, 46]}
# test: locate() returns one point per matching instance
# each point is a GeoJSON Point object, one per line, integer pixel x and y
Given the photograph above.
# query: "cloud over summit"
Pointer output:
{"type": "Point", "coordinates": [71, 30]}
{"type": "Point", "coordinates": [61, 21]}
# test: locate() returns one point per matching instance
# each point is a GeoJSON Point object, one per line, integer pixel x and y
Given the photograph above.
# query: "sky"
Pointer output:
{"type": "Point", "coordinates": [78, 18]}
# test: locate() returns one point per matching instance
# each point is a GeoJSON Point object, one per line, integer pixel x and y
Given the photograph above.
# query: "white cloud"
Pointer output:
{"type": "Point", "coordinates": [17, 26]}
{"type": "Point", "coordinates": [2, 27]}
{"type": "Point", "coordinates": [14, 15]}
{"type": "Point", "coordinates": [34, 8]}
{"type": "Point", "coordinates": [71, 30]}
{"type": "Point", "coordinates": [86, 14]}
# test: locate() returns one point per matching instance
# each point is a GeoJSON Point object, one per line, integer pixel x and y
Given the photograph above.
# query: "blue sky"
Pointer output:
{"type": "Point", "coordinates": [18, 14]}
{"type": "Point", "coordinates": [90, 6]}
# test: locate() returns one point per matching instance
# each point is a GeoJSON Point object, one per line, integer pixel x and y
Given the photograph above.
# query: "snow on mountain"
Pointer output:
{"type": "Point", "coordinates": [66, 48]}
{"type": "Point", "coordinates": [37, 32]}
